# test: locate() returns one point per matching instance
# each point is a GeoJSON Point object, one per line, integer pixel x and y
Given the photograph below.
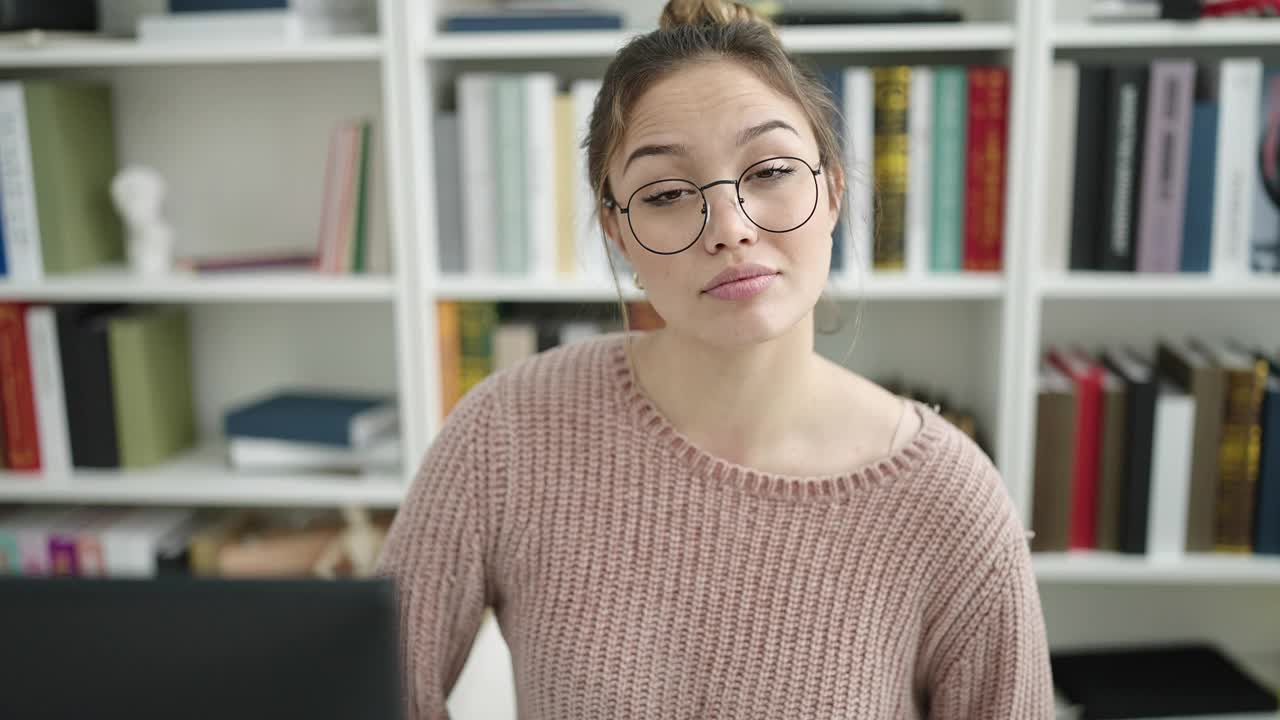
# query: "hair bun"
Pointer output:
{"type": "Point", "coordinates": [708, 12]}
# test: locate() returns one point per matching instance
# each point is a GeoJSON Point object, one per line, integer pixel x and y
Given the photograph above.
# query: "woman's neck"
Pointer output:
{"type": "Point", "coordinates": [742, 404]}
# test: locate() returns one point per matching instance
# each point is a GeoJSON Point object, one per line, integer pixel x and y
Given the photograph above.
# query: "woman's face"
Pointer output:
{"type": "Point", "coordinates": [709, 122]}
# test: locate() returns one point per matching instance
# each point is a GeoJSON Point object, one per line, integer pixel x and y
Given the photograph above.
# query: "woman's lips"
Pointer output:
{"type": "Point", "coordinates": [744, 288]}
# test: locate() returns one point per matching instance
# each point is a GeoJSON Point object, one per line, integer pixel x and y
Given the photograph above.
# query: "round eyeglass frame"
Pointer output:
{"type": "Point", "coordinates": [609, 203]}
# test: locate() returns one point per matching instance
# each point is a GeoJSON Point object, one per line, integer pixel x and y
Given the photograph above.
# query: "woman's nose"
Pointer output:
{"type": "Point", "coordinates": [727, 224]}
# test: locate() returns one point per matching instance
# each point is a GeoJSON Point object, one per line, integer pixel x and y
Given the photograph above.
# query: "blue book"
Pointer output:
{"type": "Point", "coordinates": [338, 419]}
{"type": "Point", "coordinates": [1197, 225]}
{"type": "Point", "coordinates": [522, 22]}
{"type": "Point", "coordinates": [833, 78]}
{"type": "Point", "coordinates": [1266, 525]}
{"type": "Point", "coordinates": [183, 6]}
{"type": "Point", "coordinates": [4, 264]}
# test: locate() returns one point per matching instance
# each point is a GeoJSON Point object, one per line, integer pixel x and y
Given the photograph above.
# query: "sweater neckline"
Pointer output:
{"type": "Point", "coordinates": [725, 474]}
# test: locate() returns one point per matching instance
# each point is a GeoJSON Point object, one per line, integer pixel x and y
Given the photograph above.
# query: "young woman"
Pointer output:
{"type": "Point", "coordinates": [711, 520]}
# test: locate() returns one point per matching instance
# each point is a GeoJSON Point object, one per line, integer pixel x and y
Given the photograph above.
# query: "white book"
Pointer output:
{"type": "Point", "coordinates": [1172, 437]}
{"type": "Point", "coordinates": [249, 454]}
{"type": "Point", "coordinates": [248, 26]}
{"type": "Point", "coordinates": [52, 430]}
{"type": "Point", "coordinates": [593, 263]}
{"type": "Point", "coordinates": [1264, 234]}
{"type": "Point", "coordinates": [540, 169]}
{"type": "Point", "coordinates": [859, 114]}
{"type": "Point", "coordinates": [449, 242]}
{"type": "Point", "coordinates": [1239, 85]}
{"type": "Point", "coordinates": [479, 189]}
{"type": "Point", "coordinates": [17, 187]}
{"type": "Point", "coordinates": [919, 172]}
{"type": "Point", "coordinates": [1060, 146]}
{"type": "Point", "coordinates": [132, 544]}
{"type": "Point", "coordinates": [513, 342]}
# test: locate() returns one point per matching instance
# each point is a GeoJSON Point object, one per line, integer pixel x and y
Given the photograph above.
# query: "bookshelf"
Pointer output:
{"type": "Point", "coordinates": [254, 331]}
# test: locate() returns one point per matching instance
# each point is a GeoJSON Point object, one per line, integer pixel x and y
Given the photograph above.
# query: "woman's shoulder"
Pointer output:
{"type": "Point", "coordinates": [564, 375]}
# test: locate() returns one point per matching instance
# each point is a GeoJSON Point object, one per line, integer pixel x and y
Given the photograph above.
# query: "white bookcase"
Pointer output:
{"type": "Point", "coordinates": [241, 132]}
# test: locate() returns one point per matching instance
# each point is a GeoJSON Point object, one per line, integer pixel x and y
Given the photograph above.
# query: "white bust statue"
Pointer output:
{"type": "Point", "coordinates": [138, 193]}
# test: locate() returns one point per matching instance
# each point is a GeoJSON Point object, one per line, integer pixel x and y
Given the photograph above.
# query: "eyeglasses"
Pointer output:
{"type": "Point", "coordinates": [667, 217]}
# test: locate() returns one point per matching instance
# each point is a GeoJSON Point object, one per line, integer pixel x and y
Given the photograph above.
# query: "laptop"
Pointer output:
{"type": "Point", "coordinates": [198, 648]}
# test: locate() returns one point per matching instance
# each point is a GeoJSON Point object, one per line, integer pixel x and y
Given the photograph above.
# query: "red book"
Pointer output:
{"type": "Point", "coordinates": [1087, 375]}
{"type": "Point", "coordinates": [17, 396]}
{"type": "Point", "coordinates": [985, 167]}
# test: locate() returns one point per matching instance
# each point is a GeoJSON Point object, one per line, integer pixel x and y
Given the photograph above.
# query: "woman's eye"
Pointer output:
{"type": "Point", "coordinates": [665, 197]}
{"type": "Point", "coordinates": [770, 173]}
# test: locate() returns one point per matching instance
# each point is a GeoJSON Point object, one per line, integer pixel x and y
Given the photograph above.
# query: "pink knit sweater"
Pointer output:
{"type": "Point", "coordinates": [636, 576]}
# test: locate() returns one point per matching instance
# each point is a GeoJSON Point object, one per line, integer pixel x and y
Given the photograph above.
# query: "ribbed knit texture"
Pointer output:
{"type": "Point", "coordinates": [635, 576]}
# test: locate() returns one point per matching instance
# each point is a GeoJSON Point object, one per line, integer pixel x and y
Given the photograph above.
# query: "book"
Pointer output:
{"type": "Point", "coordinates": [1166, 146]}
{"type": "Point", "coordinates": [985, 168]}
{"type": "Point", "coordinates": [17, 393]}
{"type": "Point", "coordinates": [46, 381]}
{"type": "Point", "coordinates": [1239, 82]}
{"type": "Point", "coordinates": [253, 26]}
{"type": "Point", "coordinates": [509, 148]}
{"type": "Point", "coordinates": [476, 117]}
{"type": "Point", "coordinates": [502, 20]}
{"type": "Point", "coordinates": [257, 454]}
{"type": "Point", "coordinates": [1087, 375]}
{"type": "Point", "coordinates": [892, 94]}
{"type": "Point", "coordinates": [334, 418]}
{"type": "Point", "coordinates": [1184, 364]}
{"type": "Point", "coordinates": [1141, 385]}
{"type": "Point", "coordinates": [1181, 679]}
{"type": "Point", "coordinates": [449, 234]}
{"type": "Point", "coordinates": [150, 351]}
{"type": "Point", "coordinates": [1171, 505]}
{"type": "Point", "coordinates": [1266, 528]}
{"type": "Point", "coordinates": [950, 106]}
{"type": "Point", "coordinates": [593, 254]}
{"type": "Point", "coordinates": [1197, 223]}
{"type": "Point", "coordinates": [476, 323]}
{"type": "Point", "coordinates": [1121, 166]}
{"type": "Point", "coordinates": [1239, 446]}
{"type": "Point", "coordinates": [833, 78]}
{"type": "Point", "coordinates": [1090, 139]}
{"type": "Point", "coordinates": [147, 542]}
{"type": "Point", "coordinates": [858, 240]}
{"type": "Point", "coordinates": [87, 387]}
{"type": "Point", "coordinates": [1264, 243]}
{"type": "Point", "coordinates": [1061, 170]}
{"type": "Point", "coordinates": [57, 160]}
{"type": "Point", "coordinates": [920, 119]}
{"type": "Point", "coordinates": [512, 343]}
{"type": "Point", "coordinates": [1112, 477]}
{"type": "Point", "coordinates": [1055, 440]}
{"type": "Point", "coordinates": [540, 188]}
{"type": "Point", "coordinates": [566, 181]}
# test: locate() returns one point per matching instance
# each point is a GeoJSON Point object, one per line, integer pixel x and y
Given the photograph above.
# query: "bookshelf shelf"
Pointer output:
{"type": "Point", "coordinates": [956, 287]}
{"type": "Point", "coordinates": [835, 39]}
{"type": "Point", "coordinates": [116, 284]}
{"type": "Point", "coordinates": [1210, 33]}
{"type": "Point", "coordinates": [1115, 568]}
{"type": "Point", "coordinates": [93, 53]}
{"type": "Point", "coordinates": [200, 478]}
{"type": "Point", "coordinates": [1127, 286]}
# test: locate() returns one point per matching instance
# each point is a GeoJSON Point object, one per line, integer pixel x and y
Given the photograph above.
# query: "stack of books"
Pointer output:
{"type": "Point", "coordinates": [96, 386]}
{"type": "Point", "coordinates": [1159, 455]}
{"type": "Point", "coordinates": [240, 21]}
{"type": "Point", "coordinates": [306, 430]}
{"type": "Point", "coordinates": [1165, 167]}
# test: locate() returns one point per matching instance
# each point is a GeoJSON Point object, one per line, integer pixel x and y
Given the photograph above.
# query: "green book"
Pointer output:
{"type": "Point", "coordinates": [360, 247]}
{"type": "Point", "coordinates": [509, 176]}
{"type": "Point", "coordinates": [951, 108]}
{"type": "Point", "coordinates": [476, 324]}
{"type": "Point", "coordinates": [150, 350]}
{"type": "Point", "coordinates": [73, 160]}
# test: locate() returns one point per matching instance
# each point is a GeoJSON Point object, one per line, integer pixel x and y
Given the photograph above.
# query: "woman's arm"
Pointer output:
{"type": "Point", "coordinates": [436, 553]}
{"type": "Point", "coordinates": [1000, 669]}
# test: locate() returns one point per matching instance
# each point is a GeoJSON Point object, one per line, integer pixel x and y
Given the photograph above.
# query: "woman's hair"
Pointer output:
{"type": "Point", "coordinates": [692, 31]}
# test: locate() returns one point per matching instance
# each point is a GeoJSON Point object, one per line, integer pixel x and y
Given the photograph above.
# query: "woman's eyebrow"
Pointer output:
{"type": "Point", "coordinates": [756, 131]}
{"type": "Point", "coordinates": [651, 150]}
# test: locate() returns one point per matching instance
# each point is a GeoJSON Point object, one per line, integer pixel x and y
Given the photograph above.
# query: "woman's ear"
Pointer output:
{"type": "Point", "coordinates": [836, 186]}
{"type": "Point", "coordinates": [612, 230]}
